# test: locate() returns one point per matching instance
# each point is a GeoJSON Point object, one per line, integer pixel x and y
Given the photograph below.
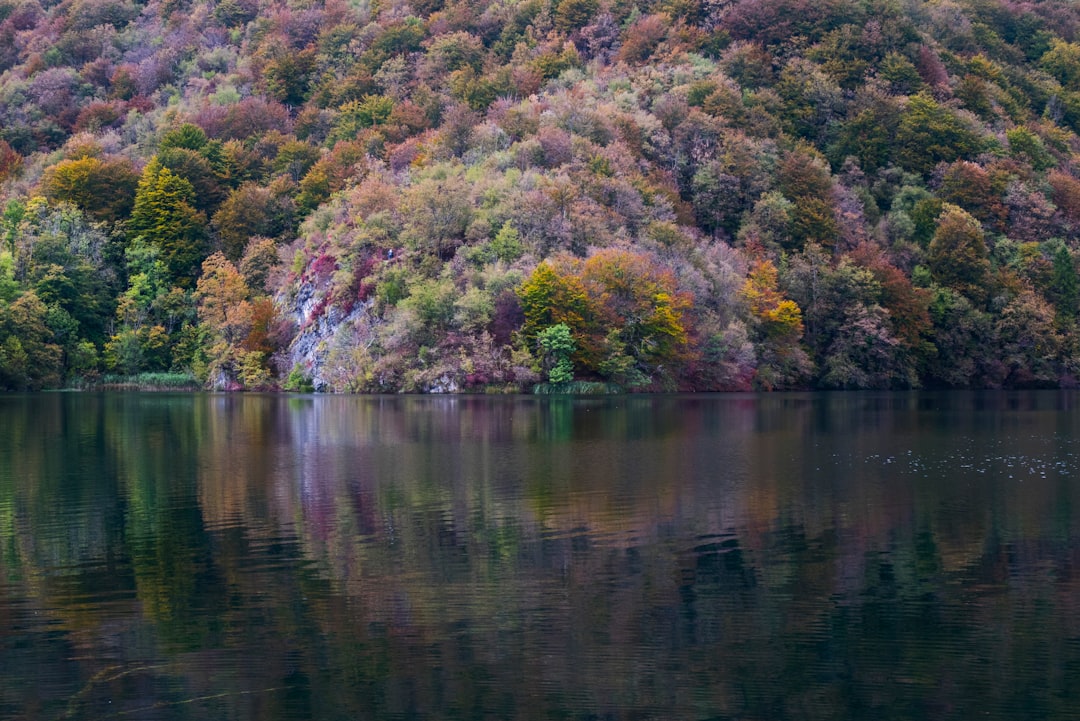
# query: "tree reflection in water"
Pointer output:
{"type": "Point", "coordinates": [773, 557]}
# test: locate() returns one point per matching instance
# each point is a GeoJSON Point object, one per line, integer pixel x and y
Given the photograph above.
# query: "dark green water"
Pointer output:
{"type": "Point", "coordinates": [845, 556]}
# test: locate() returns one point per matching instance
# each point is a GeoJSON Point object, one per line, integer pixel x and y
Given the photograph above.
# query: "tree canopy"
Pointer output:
{"type": "Point", "coordinates": [479, 197]}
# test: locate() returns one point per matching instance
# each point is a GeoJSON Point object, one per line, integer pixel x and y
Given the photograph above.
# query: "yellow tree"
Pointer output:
{"type": "Point", "coordinates": [780, 318]}
{"type": "Point", "coordinates": [549, 297]}
{"type": "Point", "coordinates": [644, 313]}
{"type": "Point", "coordinates": [625, 315]}
{"type": "Point", "coordinates": [778, 324]}
{"type": "Point", "coordinates": [103, 188]}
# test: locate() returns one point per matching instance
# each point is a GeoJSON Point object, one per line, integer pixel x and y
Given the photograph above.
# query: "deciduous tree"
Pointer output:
{"type": "Point", "coordinates": [930, 133]}
{"type": "Point", "coordinates": [957, 256]}
{"type": "Point", "coordinates": [30, 359]}
{"type": "Point", "coordinates": [104, 189]}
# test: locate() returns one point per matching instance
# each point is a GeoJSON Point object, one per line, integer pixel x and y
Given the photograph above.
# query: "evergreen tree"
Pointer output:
{"type": "Point", "coordinates": [165, 215]}
{"type": "Point", "coordinates": [1065, 285]}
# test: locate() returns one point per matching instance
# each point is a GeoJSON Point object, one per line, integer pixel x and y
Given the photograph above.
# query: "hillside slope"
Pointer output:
{"type": "Point", "coordinates": [480, 196]}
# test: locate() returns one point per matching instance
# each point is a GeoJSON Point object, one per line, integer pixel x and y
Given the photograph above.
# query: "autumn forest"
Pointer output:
{"type": "Point", "coordinates": [508, 195]}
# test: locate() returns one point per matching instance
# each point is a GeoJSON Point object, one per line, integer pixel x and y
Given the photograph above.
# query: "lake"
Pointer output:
{"type": "Point", "coordinates": [789, 556]}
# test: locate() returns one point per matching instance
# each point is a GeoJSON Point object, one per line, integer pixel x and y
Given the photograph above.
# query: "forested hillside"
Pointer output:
{"type": "Point", "coordinates": [484, 195]}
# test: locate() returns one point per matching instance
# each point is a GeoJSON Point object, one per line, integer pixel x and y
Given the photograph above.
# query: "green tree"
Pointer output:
{"type": "Point", "coordinates": [957, 256]}
{"type": "Point", "coordinates": [438, 210]}
{"type": "Point", "coordinates": [901, 74]}
{"type": "Point", "coordinates": [964, 343]}
{"type": "Point", "coordinates": [194, 167]}
{"type": "Point", "coordinates": [165, 215]}
{"type": "Point", "coordinates": [572, 15]}
{"type": "Point", "coordinates": [288, 77]}
{"type": "Point", "coordinates": [456, 50]}
{"type": "Point", "coordinates": [804, 178]}
{"type": "Point", "coordinates": [930, 133]}
{"type": "Point", "coordinates": [868, 136]}
{"type": "Point", "coordinates": [431, 300]}
{"type": "Point", "coordinates": [146, 314]}
{"type": "Point", "coordinates": [556, 346]}
{"type": "Point", "coordinates": [30, 359]}
{"type": "Point", "coordinates": [355, 115]}
{"type": "Point", "coordinates": [187, 135]}
{"type": "Point", "coordinates": [65, 259]}
{"type": "Point", "coordinates": [148, 277]}
{"type": "Point", "coordinates": [9, 287]}
{"type": "Point", "coordinates": [1062, 61]}
{"type": "Point", "coordinates": [1027, 145]}
{"type": "Point", "coordinates": [1065, 284]}
{"type": "Point", "coordinates": [506, 245]}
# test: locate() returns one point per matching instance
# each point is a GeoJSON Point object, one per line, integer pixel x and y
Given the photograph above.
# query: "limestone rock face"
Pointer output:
{"type": "Point", "coordinates": [321, 326]}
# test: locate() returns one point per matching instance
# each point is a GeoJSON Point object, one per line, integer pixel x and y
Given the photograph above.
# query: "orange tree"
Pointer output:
{"type": "Point", "coordinates": [233, 329]}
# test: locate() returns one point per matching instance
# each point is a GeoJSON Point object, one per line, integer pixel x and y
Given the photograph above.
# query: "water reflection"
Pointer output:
{"type": "Point", "coordinates": [790, 556]}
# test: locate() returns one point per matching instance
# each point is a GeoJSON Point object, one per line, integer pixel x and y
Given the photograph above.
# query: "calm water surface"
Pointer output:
{"type": "Point", "coordinates": [845, 556]}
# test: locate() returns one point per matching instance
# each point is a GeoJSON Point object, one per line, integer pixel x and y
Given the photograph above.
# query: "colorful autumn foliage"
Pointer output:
{"type": "Point", "coordinates": [706, 196]}
{"type": "Point", "coordinates": [625, 315]}
{"type": "Point", "coordinates": [780, 318]}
